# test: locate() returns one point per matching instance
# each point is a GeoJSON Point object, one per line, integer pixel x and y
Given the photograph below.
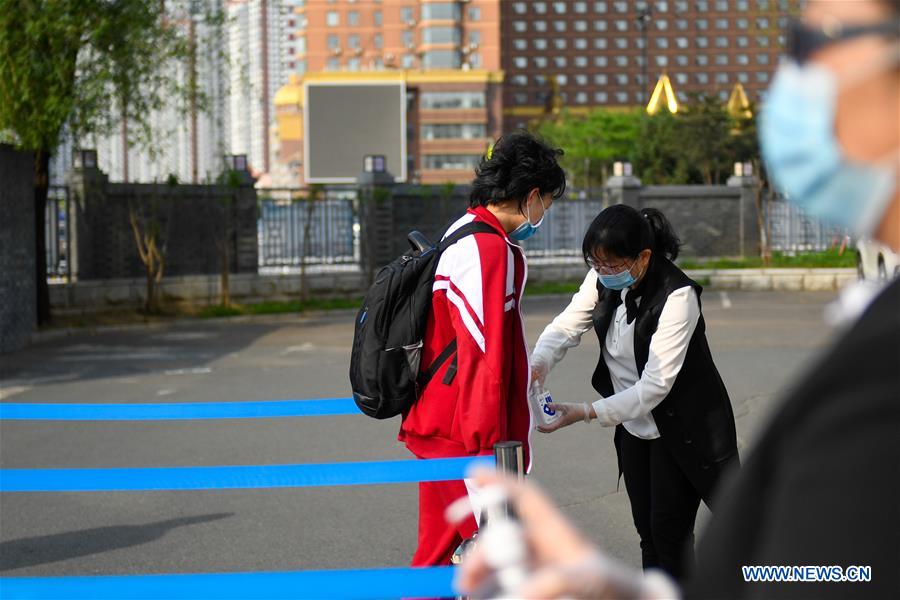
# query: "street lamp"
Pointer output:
{"type": "Point", "coordinates": [642, 21]}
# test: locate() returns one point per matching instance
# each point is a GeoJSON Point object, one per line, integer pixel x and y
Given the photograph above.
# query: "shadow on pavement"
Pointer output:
{"type": "Point", "coordinates": [28, 552]}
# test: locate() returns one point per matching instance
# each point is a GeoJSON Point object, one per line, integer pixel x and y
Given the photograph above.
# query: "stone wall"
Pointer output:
{"type": "Point", "coordinates": [191, 221]}
{"type": "Point", "coordinates": [18, 293]}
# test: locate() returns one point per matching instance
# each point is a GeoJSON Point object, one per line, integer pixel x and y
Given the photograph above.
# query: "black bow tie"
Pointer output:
{"type": "Point", "coordinates": [631, 307]}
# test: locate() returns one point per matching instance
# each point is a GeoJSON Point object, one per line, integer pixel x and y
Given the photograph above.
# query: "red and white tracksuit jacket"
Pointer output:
{"type": "Point", "coordinates": [477, 291]}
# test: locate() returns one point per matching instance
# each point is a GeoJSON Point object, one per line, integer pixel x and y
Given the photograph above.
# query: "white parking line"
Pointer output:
{"type": "Point", "coordinates": [726, 301]}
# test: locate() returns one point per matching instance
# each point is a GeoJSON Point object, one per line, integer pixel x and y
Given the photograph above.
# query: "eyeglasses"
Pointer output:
{"type": "Point", "coordinates": [803, 40]}
{"type": "Point", "coordinates": [604, 267]}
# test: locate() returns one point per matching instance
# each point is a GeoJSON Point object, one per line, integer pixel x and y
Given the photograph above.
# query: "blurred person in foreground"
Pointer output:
{"type": "Point", "coordinates": [821, 487]}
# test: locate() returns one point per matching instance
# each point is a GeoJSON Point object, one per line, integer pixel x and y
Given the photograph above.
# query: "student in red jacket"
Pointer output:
{"type": "Point", "coordinates": [479, 396]}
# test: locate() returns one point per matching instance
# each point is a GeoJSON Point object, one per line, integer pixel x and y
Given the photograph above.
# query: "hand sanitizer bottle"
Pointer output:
{"type": "Point", "coordinates": [542, 404]}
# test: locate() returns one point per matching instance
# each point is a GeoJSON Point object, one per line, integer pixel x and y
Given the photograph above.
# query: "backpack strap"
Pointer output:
{"type": "Point", "coordinates": [425, 376]}
{"type": "Point", "coordinates": [466, 230]}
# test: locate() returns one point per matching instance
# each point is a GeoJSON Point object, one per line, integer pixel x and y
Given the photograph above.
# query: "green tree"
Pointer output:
{"type": "Point", "coordinates": [93, 67]}
{"type": "Point", "coordinates": [703, 132]}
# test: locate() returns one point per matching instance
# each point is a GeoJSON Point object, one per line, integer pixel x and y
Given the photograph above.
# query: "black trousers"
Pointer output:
{"type": "Point", "coordinates": [663, 503]}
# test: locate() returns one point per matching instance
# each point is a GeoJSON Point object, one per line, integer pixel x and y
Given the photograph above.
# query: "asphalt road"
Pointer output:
{"type": "Point", "coordinates": [760, 340]}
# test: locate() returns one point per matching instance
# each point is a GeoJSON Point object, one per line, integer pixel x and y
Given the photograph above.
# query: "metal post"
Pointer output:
{"type": "Point", "coordinates": [509, 458]}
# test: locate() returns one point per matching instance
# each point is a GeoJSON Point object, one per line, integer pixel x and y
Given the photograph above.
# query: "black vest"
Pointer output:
{"type": "Point", "coordinates": [695, 420]}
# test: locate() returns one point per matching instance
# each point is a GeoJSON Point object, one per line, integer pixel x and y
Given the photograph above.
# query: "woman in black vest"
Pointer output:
{"type": "Point", "coordinates": [675, 431]}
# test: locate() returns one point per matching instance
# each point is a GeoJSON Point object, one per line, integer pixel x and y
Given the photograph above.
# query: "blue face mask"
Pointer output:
{"type": "Point", "coordinates": [528, 229]}
{"type": "Point", "coordinates": [619, 281]}
{"type": "Point", "coordinates": [805, 159]}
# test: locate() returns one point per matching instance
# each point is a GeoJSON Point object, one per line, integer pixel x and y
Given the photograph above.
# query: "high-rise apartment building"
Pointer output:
{"type": "Point", "coordinates": [611, 52]}
{"type": "Point", "coordinates": [448, 55]}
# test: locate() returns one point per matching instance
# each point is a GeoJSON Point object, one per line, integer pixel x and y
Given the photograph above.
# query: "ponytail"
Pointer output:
{"type": "Point", "coordinates": [622, 231]}
{"type": "Point", "coordinates": [665, 241]}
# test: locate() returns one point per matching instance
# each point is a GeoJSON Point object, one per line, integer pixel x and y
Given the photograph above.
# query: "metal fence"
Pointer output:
{"type": "Point", "coordinates": [789, 229]}
{"type": "Point", "coordinates": [564, 227]}
{"type": "Point", "coordinates": [56, 232]}
{"type": "Point", "coordinates": [287, 216]}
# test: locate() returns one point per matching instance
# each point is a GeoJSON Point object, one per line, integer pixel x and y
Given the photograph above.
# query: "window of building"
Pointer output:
{"type": "Point", "coordinates": [662, 61]}
{"type": "Point", "coordinates": [622, 43]}
{"type": "Point", "coordinates": [560, 43]}
{"type": "Point", "coordinates": [474, 13]}
{"type": "Point", "coordinates": [721, 41]}
{"type": "Point", "coordinates": [621, 79]}
{"type": "Point", "coordinates": [681, 42]}
{"type": "Point", "coordinates": [721, 23]}
{"type": "Point", "coordinates": [581, 79]}
{"type": "Point", "coordinates": [581, 98]}
{"type": "Point", "coordinates": [742, 59]}
{"type": "Point", "coordinates": [520, 8]}
{"type": "Point", "coordinates": [743, 77]}
{"type": "Point", "coordinates": [540, 7]}
{"type": "Point", "coordinates": [520, 62]}
{"type": "Point", "coordinates": [474, 60]}
{"type": "Point", "coordinates": [600, 61]}
{"type": "Point", "coordinates": [559, 8]}
{"type": "Point", "coordinates": [681, 6]}
{"type": "Point", "coordinates": [741, 23]}
{"type": "Point", "coordinates": [520, 98]}
{"type": "Point", "coordinates": [580, 7]}
{"type": "Point", "coordinates": [661, 6]}
{"type": "Point", "coordinates": [701, 24]}
{"type": "Point", "coordinates": [621, 25]}
{"type": "Point", "coordinates": [562, 79]}
{"type": "Point", "coordinates": [621, 61]}
{"type": "Point", "coordinates": [377, 16]}
{"type": "Point", "coordinates": [333, 18]}
{"type": "Point", "coordinates": [762, 76]}
{"type": "Point", "coordinates": [702, 60]}
{"type": "Point", "coordinates": [741, 5]}
{"type": "Point", "coordinates": [520, 44]}
{"type": "Point", "coordinates": [701, 41]}
{"type": "Point", "coordinates": [620, 7]}
{"type": "Point", "coordinates": [540, 25]}
{"type": "Point", "coordinates": [540, 62]}
{"type": "Point", "coordinates": [762, 22]}
{"type": "Point", "coordinates": [682, 60]}
{"type": "Point", "coordinates": [407, 38]}
{"type": "Point", "coordinates": [701, 78]}
{"type": "Point", "coordinates": [701, 5]}
{"type": "Point", "coordinates": [601, 97]}
{"type": "Point", "coordinates": [407, 61]}
{"type": "Point", "coordinates": [560, 61]}
{"type": "Point", "coordinates": [450, 162]}
{"type": "Point", "coordinates": [681, 78]}
{"type": "Point", "coordinates": [406, 14]}
{"type": "Point", "coordinates": [379, 41]}
{"type": "Point", "coordinates": [600, 43]}
{"type": "Point", "coordinates": [540, 80]}
{"type": "Point", "coordinates": [661, 42]}
{"type": "Point", "coordinates": [520, 26]}
{"type": "Point", "coordinates": [440, 35]}
{"type": "Point", "coordinates": [580, 25]}
{"type": "Point", "coordinates": [721, 77]}
{"type": "Point", "coordinates": [440, 10]}
{"type": "Point", "coordinates": [353, 18]}
{"type": "Point", "coordinates": [599, 25]}
{"type": "Point", "coordinates": [301, 44]}
{"type": "Point", "coordinates": [762, 4]}
{"type": "Point", "coordinates": [353, 64]}
{"type": "Point", "coordinates": [721, 59]}
{"type": "Point", "coordinates": [441, 59]}
{"type": "Point", "coordinates": [333, 41]}
{"type": "Point", "coordinates": [353, 41]}
{"type": "Point", "coordinates": [581, 62]}
{"type": "Point", "coordinates": [332, 64]}
{"type": "Point", "coordinates": [600, 7]}
{"type": "Point", "coordinates": [560, 26]}
{"type": "Point", "coordinates": [453, 131]}
{"type": "Point", "coordinates": [762, 41]}
{"type": "Point", "coordinates": [662, 24]}
{"type": "Point", "coordinates": [721, 5]}
{"type": "Point", "coordinates": [539, 44]}
{"type": "Point", "coordinates": [622, 97]}
{"type": "Point", "coordinates": [762, 58]}
{"type": "Point", "coordinates": [580, 43]}
{"type": "Point", "coordinates": [742, 41]}
{"type": "Point", "coordinates": [681, 24]}
{"type": "Point", "coordinates": [639, 43]}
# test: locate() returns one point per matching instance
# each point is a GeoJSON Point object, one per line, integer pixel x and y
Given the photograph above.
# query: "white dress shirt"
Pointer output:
{"type": "Point", "coordinates": [634, 396]}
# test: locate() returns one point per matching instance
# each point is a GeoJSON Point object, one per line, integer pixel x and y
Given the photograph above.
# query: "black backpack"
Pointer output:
{"type": "Point", "coordinates": [390, 327]}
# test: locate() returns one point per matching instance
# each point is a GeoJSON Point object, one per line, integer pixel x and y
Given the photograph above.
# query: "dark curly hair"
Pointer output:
{"type": "Point", "coordinates": [518, 163]}
{"type": "Point", "coordinates": [622, 231]}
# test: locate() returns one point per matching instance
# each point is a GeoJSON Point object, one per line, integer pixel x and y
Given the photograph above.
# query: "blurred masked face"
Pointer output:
{"type": "Point", "coordinates": [830, 128]}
